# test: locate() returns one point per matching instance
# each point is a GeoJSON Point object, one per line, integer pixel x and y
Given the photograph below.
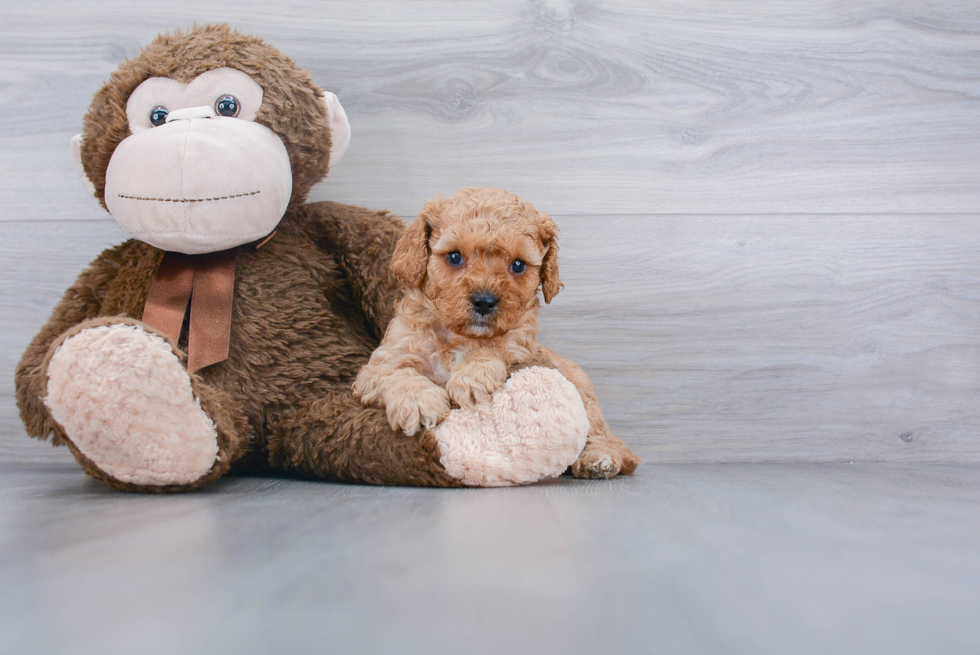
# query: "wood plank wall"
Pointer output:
{"type": "Point", "coordinates": [769, 209]}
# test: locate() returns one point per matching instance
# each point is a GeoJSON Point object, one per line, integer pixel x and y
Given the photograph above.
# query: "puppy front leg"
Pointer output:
{"type": "Point", "coordinates": [604, 455]}
{"type": "Point", "coordinates": [410, 399]}
{"type": "Point", "coordinates": [474, 380]}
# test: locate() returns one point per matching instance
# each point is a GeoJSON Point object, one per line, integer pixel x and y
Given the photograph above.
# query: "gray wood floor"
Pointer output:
{"type": "Point", "coordinates": [770, 219]}
{"type": "Point", "coordinates": [724, 558]}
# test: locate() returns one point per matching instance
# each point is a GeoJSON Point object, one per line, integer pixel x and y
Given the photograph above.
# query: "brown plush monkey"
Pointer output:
{"type": "Point", "coordinates": [204, 148]}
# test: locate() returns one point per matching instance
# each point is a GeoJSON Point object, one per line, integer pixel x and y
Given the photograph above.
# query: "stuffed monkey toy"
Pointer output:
{"type": "Point", "coordinates": [227, 332]}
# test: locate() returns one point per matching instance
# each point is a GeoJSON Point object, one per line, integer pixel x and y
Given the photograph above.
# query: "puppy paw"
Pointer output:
{"type": "Point", "coordinates": [598, 463]}
{"type": "Point", "coordinates": [474, 383]}
{"type": "Point", "coordinates": [424, 407]}
{"type": "Point", "coordinates": [366, 388]}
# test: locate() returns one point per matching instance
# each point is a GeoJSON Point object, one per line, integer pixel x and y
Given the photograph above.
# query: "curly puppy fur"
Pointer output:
{"type": "Point", "coordinates": [472, 264]}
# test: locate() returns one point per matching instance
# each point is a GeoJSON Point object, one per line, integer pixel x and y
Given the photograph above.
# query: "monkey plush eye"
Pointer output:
{"type": "Point", "coordinates": [454, 258]}
{"type": "Point", "coordinates": [227, 105]}
{"type": "Point", "coordinates": [518, 266]}
{"type": "Point", "coordinates": [158, 116]}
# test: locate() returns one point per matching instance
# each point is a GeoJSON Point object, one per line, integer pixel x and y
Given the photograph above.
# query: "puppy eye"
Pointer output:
{"type": "Point", "coordinates": [227, 105]}
{"type": "Point", "coordinates": [518, 267]}
{"type": "Point", "coordinates": [454, 258]}
{"type": "Point", "coordinates": [158, 116]}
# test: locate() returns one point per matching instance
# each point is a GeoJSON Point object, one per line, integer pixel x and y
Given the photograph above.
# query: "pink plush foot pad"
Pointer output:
{"type": "Point", "coordinates": [125, 401]}
{"type": "Point", "coordinates": [534, 428]}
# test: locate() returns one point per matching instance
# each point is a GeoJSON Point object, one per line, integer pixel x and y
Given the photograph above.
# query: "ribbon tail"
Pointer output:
{"type": "Point", "coordinates": [166, 304]}
{"type": "Point", "coordinates": [211, 303]}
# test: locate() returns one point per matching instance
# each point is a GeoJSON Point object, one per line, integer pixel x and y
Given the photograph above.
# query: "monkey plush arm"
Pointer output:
{"type": "Point", "coordinates": [363, 241]}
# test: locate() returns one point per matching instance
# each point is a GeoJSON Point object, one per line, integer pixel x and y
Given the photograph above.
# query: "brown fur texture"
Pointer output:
{"type": "Point", "coordinates": [309, 306]}
{"type": "Point", "coordinates": [440, 351]}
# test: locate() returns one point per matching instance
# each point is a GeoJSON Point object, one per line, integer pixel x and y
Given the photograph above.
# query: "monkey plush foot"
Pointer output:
{"type": "Point", "coordinates": [126, 404]}
{"type": "Point", "coordinates": [533, 428]}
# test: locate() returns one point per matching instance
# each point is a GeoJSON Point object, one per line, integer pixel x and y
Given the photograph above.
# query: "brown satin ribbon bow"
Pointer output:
{"type": "Point", "coordinates": [207, 282]}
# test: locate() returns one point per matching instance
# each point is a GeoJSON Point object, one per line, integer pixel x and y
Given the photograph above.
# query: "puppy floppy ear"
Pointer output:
{"type": "Point", "coordinates": [550, 284]}
{"type": "Point", "coordinates": [411, 254]}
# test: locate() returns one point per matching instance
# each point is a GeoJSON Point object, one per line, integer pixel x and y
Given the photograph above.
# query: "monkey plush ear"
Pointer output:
{"type": "Point", "coordinates": [550, 284]}
{"type": "Point", "coordinates": [76, 153]}
{"type": "Point", "coordinates": [339, 127]}
{"type": "Point", "coordinates": [411, 254]}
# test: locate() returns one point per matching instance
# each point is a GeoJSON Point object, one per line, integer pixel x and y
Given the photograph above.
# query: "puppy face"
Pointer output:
{"type": "Point", "coordinates": [480, 256]}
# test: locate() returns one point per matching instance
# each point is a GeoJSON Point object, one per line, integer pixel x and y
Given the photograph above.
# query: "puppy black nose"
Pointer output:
{"type": "Point", "coordinates": [483, 303]}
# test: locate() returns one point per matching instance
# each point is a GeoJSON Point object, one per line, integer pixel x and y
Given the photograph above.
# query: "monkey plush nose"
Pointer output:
{"type": "Point", "coordinates": [204, 111]}
{"type": "Point", "coordinates": [483, 303]}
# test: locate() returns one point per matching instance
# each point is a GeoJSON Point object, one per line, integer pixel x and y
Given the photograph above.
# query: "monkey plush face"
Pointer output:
{"type": "Point", "coordinates": [198, 174]}
{"type": "Point", "coordinates": [191, 153]}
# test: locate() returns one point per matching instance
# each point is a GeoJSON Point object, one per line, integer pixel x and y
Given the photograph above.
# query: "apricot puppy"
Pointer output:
{"type": "Point", "coordinates": [472, 264]}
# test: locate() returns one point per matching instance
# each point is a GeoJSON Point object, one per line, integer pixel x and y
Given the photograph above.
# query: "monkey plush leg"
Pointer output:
{"type": "Point", "coordinates": [533, 428]}
{"type": "Point", "coordinates": [604, 455]}
{"type": "Point", "coordinates": [337, 438]}
{"type": "Point", "coordinates": [132, 415]}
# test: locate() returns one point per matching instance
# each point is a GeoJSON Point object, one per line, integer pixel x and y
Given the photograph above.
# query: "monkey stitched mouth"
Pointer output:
{"type": "Point", "coordinates": [237, 195]}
